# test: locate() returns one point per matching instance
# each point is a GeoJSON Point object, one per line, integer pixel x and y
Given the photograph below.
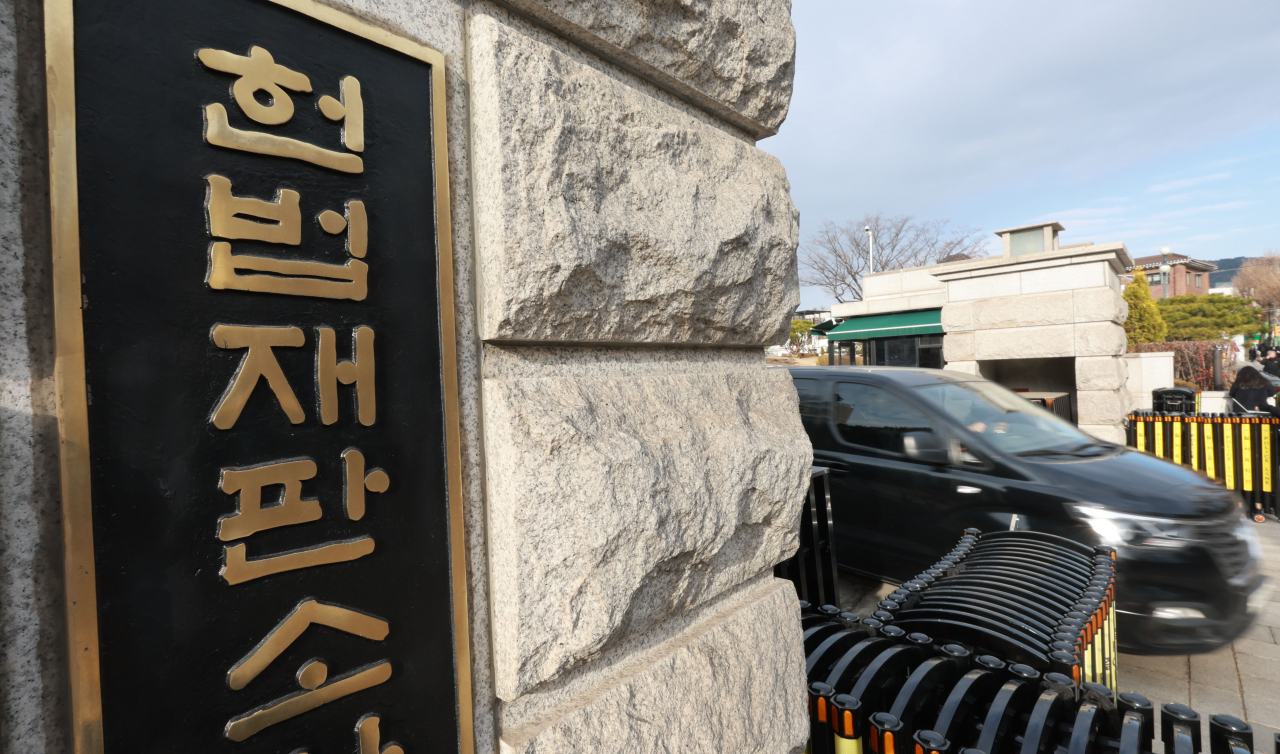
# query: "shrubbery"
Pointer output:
{"type": "Point", "coordinates": [1193, 360]}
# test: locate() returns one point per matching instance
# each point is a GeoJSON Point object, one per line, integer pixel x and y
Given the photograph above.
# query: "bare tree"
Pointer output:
{"type": "Point", "coordinates": [835, 258]}
{"type": "Point", "coordinates": [1259, 278]}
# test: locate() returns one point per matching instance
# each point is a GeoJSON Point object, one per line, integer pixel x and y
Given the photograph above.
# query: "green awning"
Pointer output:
{"type": "Point", "coordinates": [822, 328]}
{"type": "Point", "coordinates": [923, 322]}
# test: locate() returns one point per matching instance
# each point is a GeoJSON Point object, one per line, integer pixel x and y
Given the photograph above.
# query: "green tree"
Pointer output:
{"type": "Point", "coordinates": [799, 336]}
{"type": "Point", "coordinates": [1210, 317]}
{"type": "Point", "coordinates": [1144, 325]}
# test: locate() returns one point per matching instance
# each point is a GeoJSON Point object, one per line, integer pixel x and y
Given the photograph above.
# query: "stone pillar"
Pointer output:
{"type": "Point", "coordinates": [1055, 305]}
{"type": "Point", "coordinates": [631, 470]}
{"type": "Point", "coordinates": [33, 673]}
{"type": "Point", "coordinates": [643, 469]}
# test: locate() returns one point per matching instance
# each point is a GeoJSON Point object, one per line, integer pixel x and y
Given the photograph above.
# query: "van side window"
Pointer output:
{"type": "Point", "coordinates": [812, 407]}
{"type": "Point", "coordinates": [809, 390]}
{"type": "Point", "coordinates": [873, 417]}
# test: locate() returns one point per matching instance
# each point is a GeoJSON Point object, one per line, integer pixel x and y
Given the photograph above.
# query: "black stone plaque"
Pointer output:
{"type": "Point", "coordinates": [270, 511]}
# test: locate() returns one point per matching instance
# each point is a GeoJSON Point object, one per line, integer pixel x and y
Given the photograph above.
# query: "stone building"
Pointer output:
{"type": "Point", "coordinates": [1040, 317]}
{"type": "Point", "coordinates": [631, 470]}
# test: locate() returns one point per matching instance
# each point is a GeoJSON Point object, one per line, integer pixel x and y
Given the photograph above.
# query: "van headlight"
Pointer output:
{"type": "Point", "coordinates": [1118, 529]}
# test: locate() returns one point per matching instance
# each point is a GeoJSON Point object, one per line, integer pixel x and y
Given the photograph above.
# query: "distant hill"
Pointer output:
{"type": "Point", "coordinates": [1227, 269]}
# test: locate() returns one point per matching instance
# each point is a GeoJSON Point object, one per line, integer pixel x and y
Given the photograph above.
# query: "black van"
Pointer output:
{"type": "Point", "coordinates": [918, 455]}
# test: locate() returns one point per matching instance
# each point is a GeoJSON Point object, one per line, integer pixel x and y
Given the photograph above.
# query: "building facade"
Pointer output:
{"type": "Point", "coordinates": [1187, 277]}
{"type": "Point", "coordinates": [1039, 318]}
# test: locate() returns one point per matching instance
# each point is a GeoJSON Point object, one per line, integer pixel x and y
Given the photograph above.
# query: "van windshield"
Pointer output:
{"type": "Point", "coordinates": [1010, 423]}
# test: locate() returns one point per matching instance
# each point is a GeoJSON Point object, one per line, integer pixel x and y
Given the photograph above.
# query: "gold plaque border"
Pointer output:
{"type": "Point", "coordinates": [69, 368]}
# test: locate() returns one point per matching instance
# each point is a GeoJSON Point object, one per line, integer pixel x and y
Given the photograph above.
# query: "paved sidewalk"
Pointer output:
{"type": "Point", "coordinates": [1242, 679]}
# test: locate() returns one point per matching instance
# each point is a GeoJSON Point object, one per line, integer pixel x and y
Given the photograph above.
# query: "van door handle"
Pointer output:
{"type": "Point", "coordinates": [965, 489]}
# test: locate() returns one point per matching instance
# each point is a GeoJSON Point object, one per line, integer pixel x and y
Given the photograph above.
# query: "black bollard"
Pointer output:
{"type": "Point", "coordinates": [820, 732]}
{"type": "Point", "coordinates": [1180, 729]}
{"type": "Point", "coordinates": [1229, 735]}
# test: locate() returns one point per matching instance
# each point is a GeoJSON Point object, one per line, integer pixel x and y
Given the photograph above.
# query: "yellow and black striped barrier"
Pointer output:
{"type": "Point", "coordinates": [1239, 450]}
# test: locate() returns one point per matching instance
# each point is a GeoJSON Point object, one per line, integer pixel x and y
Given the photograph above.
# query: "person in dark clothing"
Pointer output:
{"type": "Point", "coordinates": [1250, 393]}
{"type": "Point", "coordinates": [1271, 364]}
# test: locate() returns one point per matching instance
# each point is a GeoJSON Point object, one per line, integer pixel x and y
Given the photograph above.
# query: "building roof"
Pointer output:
{"type": "Point", "coordinates": [1154, 261]}
{"type": "Point", "coordinates": [1053, 225]}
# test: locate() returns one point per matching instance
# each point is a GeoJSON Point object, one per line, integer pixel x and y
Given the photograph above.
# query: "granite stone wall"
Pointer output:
{"type": "Point", "coordinates": [33, 675]}
{"type": "Point", "coordinates": [631, 471]}
{"type": "Point", "coordinates": [644, 471]}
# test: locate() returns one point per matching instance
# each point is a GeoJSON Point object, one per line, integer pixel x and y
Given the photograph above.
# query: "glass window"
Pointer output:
{"type": "Point", "coordinates": [1006, 420]}
{"type": "Point", "coordinates": [900, 352]}
{"type": "Point", "coordinates": [809, 390]}
{"type": "Point", "coordinates": [873, 417]}
{"type": "Point", "coordinates": [931, 357]}
{"type": "Point", "coordinates": [1198, 276]}
{"type": "Point", "coordinates": [1026, 242]}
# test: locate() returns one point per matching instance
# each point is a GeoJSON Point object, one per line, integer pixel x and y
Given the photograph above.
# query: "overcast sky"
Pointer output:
{"type": "Point", "coordinates": [1152, 122]}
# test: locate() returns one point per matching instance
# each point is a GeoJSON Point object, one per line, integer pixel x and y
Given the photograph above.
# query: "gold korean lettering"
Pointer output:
{"type": "Point", "coordinates": [258, 72]}
{"type": "Point", "coordinates": [356, 223]}
{"type": "Point", "coordinates": [349, 110]}
{"type": "Point", "coordinates": [258, 362]}
{"type": "Point", "coordinates": [313, 674]}
{"type": "Point", "coordinates": [237, 568]}
{"type": "Point", "coordinates": [286, 276]}
{"type": "Point", "coordinates": [356, 482]}
{"type": "Point", "coordinates": [250, 517]}
{"type": "Point", "coordinates": [223, 208]}
{"type": "Point", "coordinates": [308, 613]}
{"type": "Point", "coordinates": [283, 276]}
{"type": "Point", "coordinates": [359, 370]}
{"type": "Point", "coordinates": [218, 132]}
{"type": "Point", "coordinates": [369, 738]}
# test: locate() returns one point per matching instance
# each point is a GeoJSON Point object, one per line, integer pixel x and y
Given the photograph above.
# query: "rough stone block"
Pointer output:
{"type": "Point", "coordinates": [34, 677]}
{"type": "Point", "coordinates": [882, 284]}
{"type": "Point", "coordinates": [1100, 372]}
{"type": "Point", "coordinates": [737, 58]}
{"type": "Point", "coordinates": [1101, 406]}
{"type": "Point", "coordinates": [1024, 343]}
{"type": "Point", "coordinates": [1106, 432]}
{"type": "Point", "coordinates": [920, 281]}
{"type": "Point", "coordinates": [1099, 305]}
{"type": "Point", "coordinates": [957, 346]}
{"type": "Point", "coordinates": [987, 286]}
{"type": "Point", "coordinates": [1147, 372]}
{"type": "Point", "coordinates": [1100, 339]}
{"type": "Point", "coordinates": [1023, 311]}
{"type": "Point", "coordinates": [1065, 278]}
{"type": "Point", "coordinates": [1112, 277]}
{"type": "Point", "coordinates": [968, 367]}
{"type": "Point", "coordinates": [957, 316]}
{"type": "Point", "coordinates": [616, 501]}
{"type": "Point", "coordinates": [733, 681]}
{"type": "Point", "coordinates": [606, 215]}
{"type": "Point", "coordinates": [931, 300]}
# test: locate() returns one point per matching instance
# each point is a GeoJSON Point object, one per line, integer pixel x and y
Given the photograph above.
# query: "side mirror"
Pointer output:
{"type": "Point", "coordinates": [926, 447]}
